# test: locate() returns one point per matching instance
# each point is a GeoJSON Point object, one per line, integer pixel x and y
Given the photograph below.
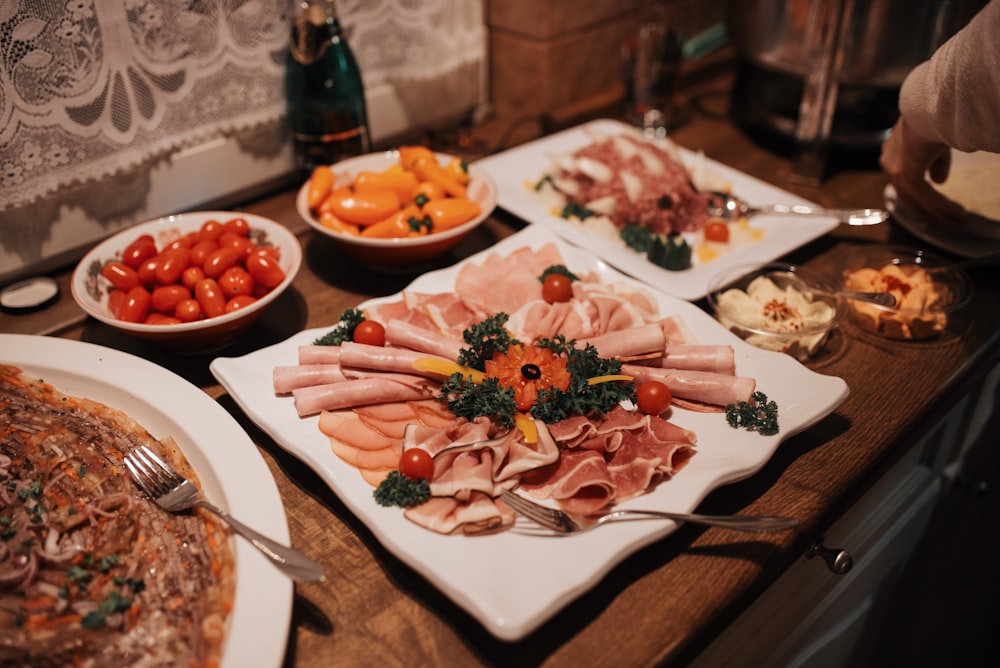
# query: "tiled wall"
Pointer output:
{"type": "Point", "coordinates": [562, 57]}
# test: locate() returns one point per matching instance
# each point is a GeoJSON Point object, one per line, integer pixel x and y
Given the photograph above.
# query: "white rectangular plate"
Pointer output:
{"type": "Point", "coordinates": [513, 581]}
{"type": "Point", "coordinates": [516, 169]}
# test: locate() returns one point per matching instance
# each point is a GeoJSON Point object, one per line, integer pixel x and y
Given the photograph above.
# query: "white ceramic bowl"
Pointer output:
{"type": "Point", "coordinates": [91, 289]}
{"type": "Point", "coordinates": [805, 293]}
{"type": "Point", "coordinates": [401, 255]}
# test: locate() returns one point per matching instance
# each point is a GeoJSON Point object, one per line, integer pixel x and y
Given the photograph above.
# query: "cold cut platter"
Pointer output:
{"type": "Point", "coordinates": [522, 578]}
{"type": "Point", "coordinates": [577, 161]}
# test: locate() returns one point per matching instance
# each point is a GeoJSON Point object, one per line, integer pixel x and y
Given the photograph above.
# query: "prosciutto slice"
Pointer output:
{"type": "Point", "coordinates": [447, 515]}
{"type": "Point", "coordinates": [579, 483]}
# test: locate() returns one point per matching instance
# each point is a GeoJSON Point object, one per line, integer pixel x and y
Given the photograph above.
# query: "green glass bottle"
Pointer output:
{"type": "Point", "coordinates": [327, 115]}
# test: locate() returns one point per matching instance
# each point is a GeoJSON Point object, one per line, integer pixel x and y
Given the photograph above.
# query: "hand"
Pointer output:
{"type": "Point", "coordinates": [907, 159]}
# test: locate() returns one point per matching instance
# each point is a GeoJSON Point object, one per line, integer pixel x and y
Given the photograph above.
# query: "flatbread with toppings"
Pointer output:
{"type": "Point", "coordinates": [91, 571]}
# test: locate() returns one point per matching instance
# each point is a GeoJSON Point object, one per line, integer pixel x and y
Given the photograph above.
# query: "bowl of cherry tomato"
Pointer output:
{"type": "Point", "coordinates": [191, 281]}
{"type": "Point", "coordinates": [400, 210]}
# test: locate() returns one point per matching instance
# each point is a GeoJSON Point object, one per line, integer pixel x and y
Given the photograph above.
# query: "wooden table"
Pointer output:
{"type": "Point", "coordinates": [667, 601]}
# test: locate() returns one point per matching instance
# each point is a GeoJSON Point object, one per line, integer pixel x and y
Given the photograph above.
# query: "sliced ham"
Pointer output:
{"type": "Point", "coordinates": [446, 515]}
{"type": "Point", "coordinates": [382, 358]}
{"type": "Point", "coordinates": [698, 388]}
{"type": "Point", "coordinates": [407, 335]}
{"type": "Point", "coordinates": [580, 483]}
{"type": "Point", "coordinates": [694, 357]}
{"type": "Point", "coordinates": [362, 391]}
{"type": "Point", "coordinates": [631, 342]}
{"type": "Point", "coordinates": [312, 354]}
{"type": "Point", "coordinates": [288, 378]}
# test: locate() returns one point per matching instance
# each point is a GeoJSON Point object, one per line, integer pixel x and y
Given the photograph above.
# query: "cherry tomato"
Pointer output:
{"type": "Point", "coordinates": [210, 230]}
{"type": "Point", "coordinates": [265, 270]}
{"type": "Point", "coordinates": [209, 296]}
{"type": "Point", "coordinates": [236, 281]}
{"type": "Point", "coordinates": [172, 264]}
{"type": "Point", "coordinates": [238, 302]}
{"type": "Point", "coordinates": [416, 464]}
{"type": "Point", "coordinates": [238, 226]}
{"type": "Point", "coordinates": [370, 333]}
{"type": "Point", "coordinates": [201, 250]}
{"type": "Point", "coordinates": [557, 288]}
{"type": "Point", "coordinates": [717, 230]}
{"type": "Point", "coordinates": [135, 308]}
{"type": "Point", "coordinates": [653, 397]}
{"type": "Point", "coordinates": [139, 251]}
{"type": "Point", "coordinates": [120, 275]}
{"type": "Point", "coordinates": [188, 310]}
{"type": "Point", "coordinates": [147, 270]}
{"type": "Point", "coordinates": [191, 276]}
{"type": "Point", "coordinates": [165, 298]}
{"type": "Point", "coordinates": [115, 300]}
{"type": "Point", "coordinates": [156, 318]}
{"type": "Point", "coordinates": [219, 260]}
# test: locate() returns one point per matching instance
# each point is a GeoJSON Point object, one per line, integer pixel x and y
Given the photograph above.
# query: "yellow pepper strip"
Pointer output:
{"type": "Point", "coordinates": [608, 379]}
{"type": "Point", "coordinates": [445, 368]}
{"type": "Point", "coordinates": [526, 425]}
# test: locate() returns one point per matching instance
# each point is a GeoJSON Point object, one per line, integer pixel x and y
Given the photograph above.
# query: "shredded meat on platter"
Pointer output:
{"type": "Point", "coordinates": [91, 572]}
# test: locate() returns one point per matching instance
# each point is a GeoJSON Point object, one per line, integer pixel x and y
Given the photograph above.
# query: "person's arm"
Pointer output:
{"type": "Point", "coordinates": [951, 100]}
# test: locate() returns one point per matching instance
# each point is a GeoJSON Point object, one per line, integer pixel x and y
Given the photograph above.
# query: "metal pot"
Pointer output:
{"type": "Point", "coordinates": [881, 41]}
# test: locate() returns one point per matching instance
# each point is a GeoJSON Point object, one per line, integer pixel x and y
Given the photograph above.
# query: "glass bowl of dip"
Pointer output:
{"type": "Point", "coordinates": [777, 306]}
{"type": "Point", "coordinates": [928, 293]}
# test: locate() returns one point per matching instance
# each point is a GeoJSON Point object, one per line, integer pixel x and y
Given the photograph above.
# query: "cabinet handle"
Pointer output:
{"type": "Point", "coordinates": [837, 560]}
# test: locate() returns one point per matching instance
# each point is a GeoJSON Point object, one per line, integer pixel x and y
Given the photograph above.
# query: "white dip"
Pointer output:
{"type": "Point", "coordinates": [765, 307]}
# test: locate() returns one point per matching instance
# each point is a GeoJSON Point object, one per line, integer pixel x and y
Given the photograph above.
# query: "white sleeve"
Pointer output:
{"type": "Point", "coordinates": [954, 97]}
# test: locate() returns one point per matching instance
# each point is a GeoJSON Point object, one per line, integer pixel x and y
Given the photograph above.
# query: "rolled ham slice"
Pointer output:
{"type": "Point", "coordinates": [628, 342]}
{"type": "Point", "coordinates": [381, 389]}
{"type": "Point", "coordinates": [288, 378]}
{"type": "Point", "coordinates": [699, 389]}
{"type": "Point", "coordinates": [319, 354]}
{"type": "Point", "coordinates": [694, 357]}
{"type": "Point", "coordinates": [403, 334]}
{"type": "Point", "coordinates": [382, 358]}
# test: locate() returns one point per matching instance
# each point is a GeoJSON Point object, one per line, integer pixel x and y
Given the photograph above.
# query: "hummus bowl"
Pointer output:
{"type": "Point", "coordinates": [777, 306]}
{"type": "Point", "coordinates": [929, 295]}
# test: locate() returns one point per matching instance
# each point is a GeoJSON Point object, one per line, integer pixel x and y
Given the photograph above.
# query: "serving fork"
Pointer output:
{"type": "Point", "coordinates": [173, 492]}
{"type": "Point", "coordinates": [562, 522]}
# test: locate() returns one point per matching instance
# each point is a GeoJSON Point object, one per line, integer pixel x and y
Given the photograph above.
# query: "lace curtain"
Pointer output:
{"type": "Point", "coordinates": [94, 90]}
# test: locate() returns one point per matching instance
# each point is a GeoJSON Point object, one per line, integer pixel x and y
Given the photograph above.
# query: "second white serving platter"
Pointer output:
{"type": "Point", "coordinates": [516, 169]}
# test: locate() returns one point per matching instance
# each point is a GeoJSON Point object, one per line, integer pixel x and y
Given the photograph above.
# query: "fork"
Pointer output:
{"type": "Point", "coordinates": [173, 492]}
{"type": "Point", "coordinates": [563, 522]}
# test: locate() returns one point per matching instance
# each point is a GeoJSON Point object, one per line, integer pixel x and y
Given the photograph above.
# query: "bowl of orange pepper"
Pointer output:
{"type": "Point", "coordinates": [397, 210]}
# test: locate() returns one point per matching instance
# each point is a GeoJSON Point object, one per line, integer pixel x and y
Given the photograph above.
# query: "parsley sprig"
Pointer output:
{"type": "Point", "coordinates": [343, 330]}
{"type": "Point", "coordinates": [759, 414]}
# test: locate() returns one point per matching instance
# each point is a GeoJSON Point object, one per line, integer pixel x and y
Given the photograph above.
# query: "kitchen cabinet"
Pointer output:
{"type": "Point", "coordinates": [812, 616]}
